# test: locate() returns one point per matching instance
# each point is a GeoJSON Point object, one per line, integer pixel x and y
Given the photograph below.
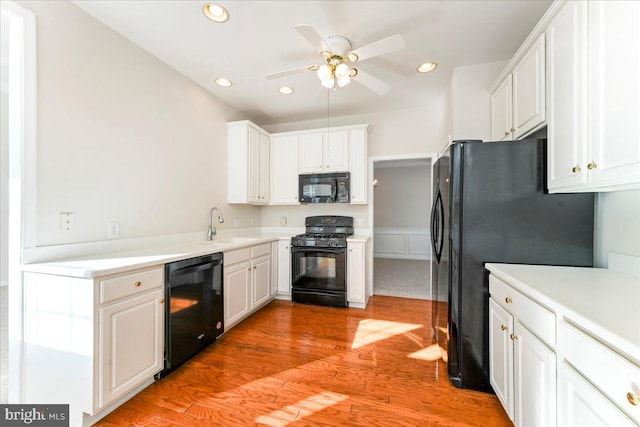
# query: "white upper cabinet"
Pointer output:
{"type": "Point", "coordinates": [567, 96]}
{"type": "Point", "coordinates": [358, 164]}
{"type": "Point", "coordinates": [614, 93]}
{"type": "Point", "coordinates": [501, 110]}
{"type": "Point", "coordinates": [518, 102]}
{"type": "Point", "coordinates": [284, 166]}
{"type": "Point", "coordinates": [593, 54]}
{"type": "Point", "coordinates": [323, 152]}
{"type": "Point", "coordinates": [248, 158]}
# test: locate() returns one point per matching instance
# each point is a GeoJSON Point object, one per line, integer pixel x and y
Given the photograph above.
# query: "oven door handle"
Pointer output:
{"type": "Point", "coordinates": [300, 249]}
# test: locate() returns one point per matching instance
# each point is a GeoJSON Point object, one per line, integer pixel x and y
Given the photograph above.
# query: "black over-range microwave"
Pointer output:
{"type": "Point", "coordinates": [324, 188]}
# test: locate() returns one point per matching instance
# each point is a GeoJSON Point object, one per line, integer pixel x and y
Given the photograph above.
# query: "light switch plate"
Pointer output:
{"type": "Point", "coordinates": [113, 230]}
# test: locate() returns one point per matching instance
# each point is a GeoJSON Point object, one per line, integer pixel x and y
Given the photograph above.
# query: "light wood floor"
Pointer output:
{"type": "Point", "coordinates": [299, 365]}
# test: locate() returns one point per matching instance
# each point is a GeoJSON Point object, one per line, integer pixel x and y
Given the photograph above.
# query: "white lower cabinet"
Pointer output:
{"type": "Point", "coordinates": [247, 282]}
{"type": "Point", "coordinates": [104, 338]}
{"type": "Point", "coordinates": [131, 348]}
{"type": "Point", "coordinates": [357, 275]}
{"type": "Point", "coordinates": [522, 367]}
{"type": "Point", "coordinates": [284, 267]}
{"type": "Point", "coordinates": [581, 404]}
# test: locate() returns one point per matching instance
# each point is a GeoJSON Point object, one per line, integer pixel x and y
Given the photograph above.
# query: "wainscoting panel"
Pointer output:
{"type": "Point", "coordinates": [402, 243]}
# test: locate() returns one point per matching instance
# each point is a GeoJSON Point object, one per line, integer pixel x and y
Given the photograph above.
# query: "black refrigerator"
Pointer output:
{"type": "Point", "coordinates": [490, 204]}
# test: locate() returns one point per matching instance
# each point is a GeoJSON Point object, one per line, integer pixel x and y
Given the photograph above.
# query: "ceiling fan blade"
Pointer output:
{"type": "Point", "coordinates": [285, 73]}
{"type": "Point", "coordinates": [368, 81]}
{"type": "Point", "coordinates": [312, 37]}
{"type": "Point", "coordinates": [382, 46]}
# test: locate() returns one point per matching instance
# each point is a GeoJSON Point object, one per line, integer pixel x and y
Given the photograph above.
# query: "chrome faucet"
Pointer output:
{"type": "Point", "coordinates": [212, 228]}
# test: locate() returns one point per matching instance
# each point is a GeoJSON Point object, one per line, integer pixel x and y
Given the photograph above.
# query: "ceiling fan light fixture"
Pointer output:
{"type": "Point", "coordinates": [325, 72]}
{"type": "Point", "coordinates": [328, 83]}
{"type": "Point", "coordinates": [221, 81]}
{"type": "Point", "coordinates": [285, 90]}
{"type": "Point", "coordinates": [215, 12]}
{"type": "Point", "coordinates": [426, 67]}
{"type": "Point", "coordinates": [343, 80]}
{"type": "Point", "coordinates": [353, 72]}
{"type": "Point", "coordinates": [352, 57]}
{"type": "Point", "coordinates": [342, 70]}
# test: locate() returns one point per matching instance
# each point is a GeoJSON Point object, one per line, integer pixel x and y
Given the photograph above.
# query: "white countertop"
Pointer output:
{"type": "Point", "coordinates": [121, 261]}
{"type": "Point", "coordinates": [160, 251]}
{"type": "Point", "coordinates": [602, 302]}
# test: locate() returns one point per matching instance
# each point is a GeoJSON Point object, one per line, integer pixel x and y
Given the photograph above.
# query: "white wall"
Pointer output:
{"type": "Point", "coordinates": [471, 100]}
{"type": "Point", "coordinates": [122, 136]}
{"type": "Point", "coordinates": [4, 144]}
{"type": "Point", "coordinates": [403, 196]}
{"type": "Point", "coordinates": [617, 226]}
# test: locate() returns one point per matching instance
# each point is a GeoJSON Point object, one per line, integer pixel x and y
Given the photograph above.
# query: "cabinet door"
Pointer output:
{"type": "Point", "coordinates": [254, 165]}
{"type": "Point", "coordinates": [131, 344]}
{"type": "Point", "coordinates": [501, 355]}
{"type": "Point", "coordinates": [261, 280]}
{"type": "Point", "coordinates": [284, 164]}
{"type": "Point", "coordinates": [501, 111]}
{"type": "Point", "coordinates": [580, 404]}
{"type": "Point", "coordinates": [534, 380]}
{"type": "Point", "coordinates": [274, 268]}
{"type": "Point", "coordinates": [355, 272]}
{"type": "Point", "coordinates": [265, 154]}
{"type": "Point", "coordinates": [567, 96]}
{"type": "Point", "coordinates": [284, 267]}
{"type": "Point", "coordinates": [310, 153]}
{"type": "Point", "coordinates": [358, 165]}
{"type": "Point", "coordinates": [614, 92]}
{"type": "Point", "coordinates": [237, 292]}
{"type": "Point", "coordinates": [529, 90]}
{"type": "Point", "coordinates": [336, 151]}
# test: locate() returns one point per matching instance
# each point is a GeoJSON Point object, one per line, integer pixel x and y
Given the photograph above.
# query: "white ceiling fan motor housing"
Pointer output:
{"type": "Point", "coordinates": [338, 45]}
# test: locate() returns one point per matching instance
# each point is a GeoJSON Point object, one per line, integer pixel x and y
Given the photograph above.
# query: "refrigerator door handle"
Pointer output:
{"type": "Point", "coordinates": [437, 226]}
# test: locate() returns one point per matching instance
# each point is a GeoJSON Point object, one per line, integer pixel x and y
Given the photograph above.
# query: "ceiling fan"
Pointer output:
{"type": "Point", "coordinates": [338, 55]}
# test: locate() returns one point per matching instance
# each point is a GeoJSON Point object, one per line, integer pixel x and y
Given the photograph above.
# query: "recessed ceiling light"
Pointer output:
{"type": "Point", "coordinates": [285, 90]}
{"type": "Point", "coordinates": [215, 12]}
{"type": "Point", "coordinates": [426, 67]}
{"type": "Point", "coordinates": [223, 82]}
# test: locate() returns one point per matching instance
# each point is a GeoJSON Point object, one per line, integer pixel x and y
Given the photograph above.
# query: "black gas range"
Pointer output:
{"type": "Point", "coordinates": [319, 261]}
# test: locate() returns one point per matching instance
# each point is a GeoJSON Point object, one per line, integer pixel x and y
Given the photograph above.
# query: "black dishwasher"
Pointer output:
{"type": "Point", "coordinates": [194, 315]}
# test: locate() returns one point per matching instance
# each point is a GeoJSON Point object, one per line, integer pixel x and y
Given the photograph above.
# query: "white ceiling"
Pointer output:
{"type": "Point", "coordinates": [260, 39]}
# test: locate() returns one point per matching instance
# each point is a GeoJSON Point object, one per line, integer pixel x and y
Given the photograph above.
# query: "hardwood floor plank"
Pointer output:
{"type": "Point", "coordinates": [300, 365]}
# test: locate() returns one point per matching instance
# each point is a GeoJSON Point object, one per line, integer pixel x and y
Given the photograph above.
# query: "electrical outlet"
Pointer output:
{"type": "Point", "coordinates": [239, 222]}
{"type": "Point", "coordinates": [283, 221]}
{"type": "Point", "coordinates": [67, 221]}
{"type": "Point", "coordinates": [359, 222]}
{"type": "Point", "coordinates": [113, 230]}
{"type": "Point", "coordinates": [253, 221]}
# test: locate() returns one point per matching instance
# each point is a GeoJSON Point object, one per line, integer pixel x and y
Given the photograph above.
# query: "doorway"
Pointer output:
{"type": "Point", "coordinates": [399, 214]}
{"type": "Point", "coordinates": [17, 183]}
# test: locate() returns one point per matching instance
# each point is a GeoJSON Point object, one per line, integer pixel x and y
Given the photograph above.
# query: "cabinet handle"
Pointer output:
{"type": "Point", "coordinates": [162, 301]}
{"type": "Point", "coordinates": [592, 165]}
{"type": "Point", "coordinates": [513, 337]}
{"type": "Point", "coordinates": [508, 300]}
{"type": "Point", "coordinates": [295, 198]}
{"type": "Point", "coordinates": [254, 268]}
{"type": "Point", "coordinates": [503, 327]}
{"type": "Point", "coordinates": [320, 166]}
{"type": "Point", "coordinates": [286, 247]}
{"type": "Point", "coordinates": [137, 284]}
{"type": "Point", "coordinates": [633, 398]}
{"type": "Point", "coordinates": [576, 169]}
{"type": "Point", "coordinates": [249, 269]}
{"type": "Point", "coordinates": [506, 132]}
{"type": "Point", "coordinates": [513, 129]}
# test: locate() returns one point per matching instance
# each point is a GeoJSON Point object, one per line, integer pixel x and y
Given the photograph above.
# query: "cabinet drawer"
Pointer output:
{"type": "Point", "coordinates": [261, 250]}
{"type": "Point", "coordinates": [131, 284]}
{"type": "Point", "coordinates": [612, 374]}
{"type": "Point", "coordinates": [239, 255]}
{"type": "Point", "coordinates": [538, 319]}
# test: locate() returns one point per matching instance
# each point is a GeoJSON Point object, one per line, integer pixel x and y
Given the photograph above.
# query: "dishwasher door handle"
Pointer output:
{"type": "Point", "coordinates": [195, 268]}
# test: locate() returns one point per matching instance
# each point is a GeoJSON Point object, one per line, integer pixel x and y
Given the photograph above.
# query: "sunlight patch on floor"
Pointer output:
{"type": "Point", "coordinates": [371, 330]}
{"type": "Point", "coordinates": [430, 354]}
{"type": "Point", "coordinates": [301, 409]}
